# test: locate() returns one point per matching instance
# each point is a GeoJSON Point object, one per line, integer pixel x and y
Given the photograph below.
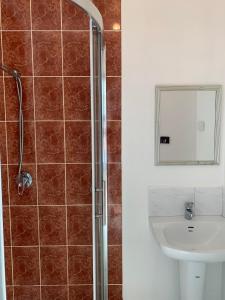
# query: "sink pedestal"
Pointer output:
{"type": "Point", "coordinates": [192, 280]}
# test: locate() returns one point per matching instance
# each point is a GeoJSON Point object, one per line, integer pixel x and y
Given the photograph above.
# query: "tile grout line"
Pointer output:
{"type": "Point", "coordinates": [50, 205]}
{"type": "Point", "coordinates": [65, 155]}
{"type": "Point", "coordinates": [59, 121]}
{"type": "Point", "coordinates": [35, 148]}
{"type": "Point", "coordinates": [52, 120]}
{"type": "Point", "coordinates": [61, 163]}
{"type": "Point", "coordinates": [60, 246]}
{"type": "Point", "coordinates": [56, 285]}
{"type": "Point", "coordinates": [58, 30]}
{"type": "Point", "coordinates": [7, 159]}
{"type": "Point", "coordinates": [59, 76]}
{"type": "Point", "coordinates": [72, 284]}
{"type": "Point", "coordinates": [50, 164]}
{"type": "Point", "coordinates": [57, 205]}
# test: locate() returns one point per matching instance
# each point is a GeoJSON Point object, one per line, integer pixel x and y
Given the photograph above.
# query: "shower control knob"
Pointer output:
{"type": "Point", "coordinates": [24, 181]}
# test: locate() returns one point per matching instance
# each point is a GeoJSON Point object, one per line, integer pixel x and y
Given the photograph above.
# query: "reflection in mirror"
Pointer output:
{"type": "Point", "coordinates": [187, 124]}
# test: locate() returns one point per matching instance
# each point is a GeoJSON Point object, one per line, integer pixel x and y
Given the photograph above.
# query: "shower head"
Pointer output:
{"type": "Point", "coordinates": [13, 72]}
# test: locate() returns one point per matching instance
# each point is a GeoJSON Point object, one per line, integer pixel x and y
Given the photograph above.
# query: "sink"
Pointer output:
{"type": "Point", "coordinates": [194, 244]}
{"type": "Point", "coordinates": [201, 239]}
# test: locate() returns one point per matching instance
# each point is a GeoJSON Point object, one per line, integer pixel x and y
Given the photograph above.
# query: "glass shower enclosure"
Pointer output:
{"type": "Point", "coordinates": [99, 150]}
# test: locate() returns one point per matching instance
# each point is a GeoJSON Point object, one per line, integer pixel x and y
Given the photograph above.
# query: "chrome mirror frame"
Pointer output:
{"type": "Point", "coordinates": [217, 135]}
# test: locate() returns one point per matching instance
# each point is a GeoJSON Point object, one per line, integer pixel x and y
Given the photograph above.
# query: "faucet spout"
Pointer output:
{"type": "Point", "coordinates": [189, 210]}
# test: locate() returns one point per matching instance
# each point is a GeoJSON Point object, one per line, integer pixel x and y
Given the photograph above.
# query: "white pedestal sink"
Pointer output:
{"type": "Point", "coordinates": [194, 244]}
{"type": "Point", "coordinates": [192, 280]}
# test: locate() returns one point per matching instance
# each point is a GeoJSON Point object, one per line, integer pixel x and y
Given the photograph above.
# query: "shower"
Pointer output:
{"type": "Point", "coordinates": [99, 150]}
{"type": "Point", "coordinates": [23, 179]}
{"type": "Point", "coordinates": [54, 98]}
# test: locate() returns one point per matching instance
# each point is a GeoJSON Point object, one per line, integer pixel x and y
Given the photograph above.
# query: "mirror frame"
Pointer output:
{"type": "Point", "coordinates": [217, 136]}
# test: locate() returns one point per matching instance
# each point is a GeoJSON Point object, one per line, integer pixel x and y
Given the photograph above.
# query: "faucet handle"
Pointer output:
{"type": "Point", "coordinates": [189, 205]}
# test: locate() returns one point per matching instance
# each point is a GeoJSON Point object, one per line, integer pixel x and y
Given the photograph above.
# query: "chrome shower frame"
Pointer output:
{"type": "Point", "coordinates": [99, 150]}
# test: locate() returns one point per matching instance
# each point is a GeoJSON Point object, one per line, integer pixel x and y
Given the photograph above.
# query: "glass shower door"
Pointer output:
{"type": "Point", "coordinates": [99, 150]}
{"type": "Point", "coordinates": [99, 164]}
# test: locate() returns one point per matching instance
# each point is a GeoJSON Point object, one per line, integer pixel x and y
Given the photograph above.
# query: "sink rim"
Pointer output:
{"type": "Point", "coordinates": [158, 224]}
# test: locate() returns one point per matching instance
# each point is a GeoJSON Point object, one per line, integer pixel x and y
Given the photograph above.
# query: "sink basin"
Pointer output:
{"type": "Point", "coordinates": [194, 244]}
{"type": "Point", "coordinates": [201, 239]}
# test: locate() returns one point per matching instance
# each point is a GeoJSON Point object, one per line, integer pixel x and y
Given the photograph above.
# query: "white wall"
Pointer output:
{"type": "Point", "coordinates": [164, 42]}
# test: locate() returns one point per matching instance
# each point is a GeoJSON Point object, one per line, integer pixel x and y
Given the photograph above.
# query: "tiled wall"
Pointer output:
{"type": "Point", "coordinates": [170, 201]}
{"type": "Point", "coordinates": [48, 240]}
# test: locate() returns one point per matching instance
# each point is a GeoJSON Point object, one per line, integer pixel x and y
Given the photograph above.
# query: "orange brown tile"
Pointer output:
{"type": "Point", "coordinates": [79, 225]}
{"type": "Point", "coordinates": [15, 16]}
{"type": "Point", "coordinates": [46, 15]}
{"type": "Point", "coordinates": [51, 184]}
{"type": "Point", "coordinates": [11, 99]}
{"type": "Point", "coordinates": [77, 98]}
{"type": "Point", "coordinates": [53, 265]}
{"type": "Point", "coordinates": [76, 53]}
{"type": "Point", "coordinates": [78, 292]}
{"type": "Point", "coordinates": [17, 51]}
{"type": "Point", "coordinates": [52, 225]}
{"type": "Point", "coordinates": [78, 184]}
{"type": "Point", "coordinates": [26, 266]}
{"type": "Point", "coordinates": [47, 53]}
{"type": "Point", "coordinates": [54, 293]}
{"type": "Point", "coordinates": [27, 293]}
{"type": "Point", "coordinates": [24, 221]}
{"type": "Point", "coordinates": [74, 17]}
{"type": "Point", "coordinates": [50, 142]}
{"type": "Point", "coordinates": [49, 98]}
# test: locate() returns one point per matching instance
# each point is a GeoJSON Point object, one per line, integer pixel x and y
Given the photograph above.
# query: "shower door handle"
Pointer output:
{"type": "Point", "coordinates": [99, 202]}
{"type": "Point", "coordinates": [104, 212]}
{"type": "Point", "coordinates": [97, 190]}
{"type": "Point", "coordinates": [105, 204]}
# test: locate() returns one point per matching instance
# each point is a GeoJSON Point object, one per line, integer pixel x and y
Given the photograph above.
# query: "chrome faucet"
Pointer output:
{"type": "Point", "coordinates": [189, 210]}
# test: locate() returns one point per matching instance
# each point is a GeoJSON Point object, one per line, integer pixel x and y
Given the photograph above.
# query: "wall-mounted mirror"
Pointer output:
{"type": "Point", "coordinates": [187, 125]}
